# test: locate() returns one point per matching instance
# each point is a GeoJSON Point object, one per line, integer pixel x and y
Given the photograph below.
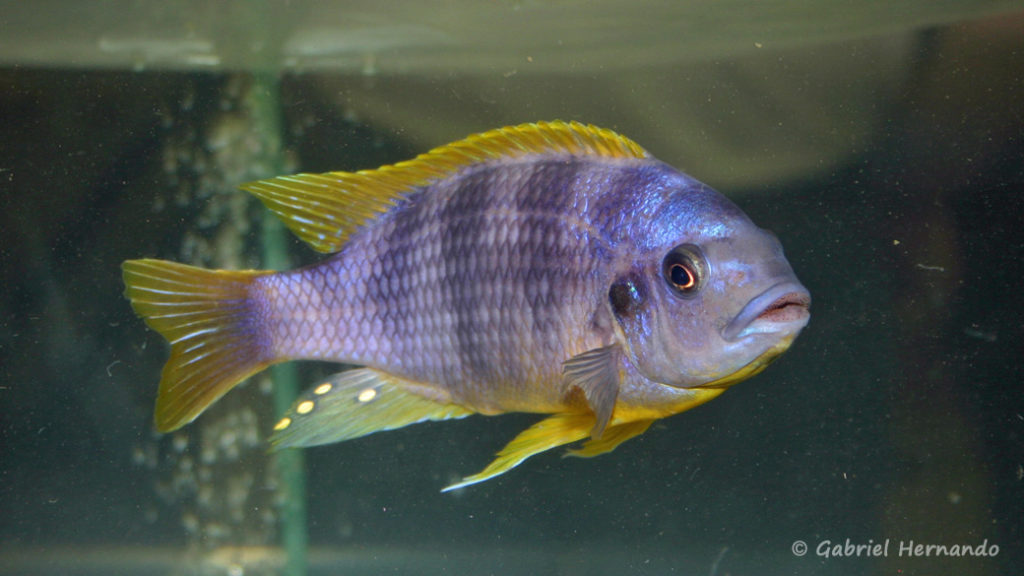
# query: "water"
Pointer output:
{"type": "Point", "coordinates": [888, 160]}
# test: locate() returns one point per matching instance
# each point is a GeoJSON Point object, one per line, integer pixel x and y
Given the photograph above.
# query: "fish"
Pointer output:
{"type": "Point", "coordinates": [555, 268]}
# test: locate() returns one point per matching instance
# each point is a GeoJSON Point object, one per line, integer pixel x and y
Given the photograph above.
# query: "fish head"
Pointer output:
{"type": "Point", "coordinates": [708, 298]}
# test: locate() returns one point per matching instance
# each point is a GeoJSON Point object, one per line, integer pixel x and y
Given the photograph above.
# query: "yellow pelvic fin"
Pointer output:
{"type": "Point", "coordinates": [356, 403]}
{"type": "Point", "coordinates": [324, 209]}
{"type": "Point", "coordinates": [544, 435]}
{"type": "Point", "coordinates": [206, 316]}
{"type": "Point", "coordinates": [627, 422]}
{"type": "Point", "coordinates": [613, 436]}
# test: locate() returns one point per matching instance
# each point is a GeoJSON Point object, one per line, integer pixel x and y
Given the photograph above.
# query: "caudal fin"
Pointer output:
{"type": "Point", "coordinates": [210, 321]}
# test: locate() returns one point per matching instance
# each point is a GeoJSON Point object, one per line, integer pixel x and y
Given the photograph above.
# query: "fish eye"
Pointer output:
{"type": "Point", "coordinates": [684, 269]}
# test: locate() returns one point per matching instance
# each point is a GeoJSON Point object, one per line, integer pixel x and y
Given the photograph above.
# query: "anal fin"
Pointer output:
{"type": "Point", "coordinates": [355, 403]}
{"type": "Point", "coordinates": [549, 433]}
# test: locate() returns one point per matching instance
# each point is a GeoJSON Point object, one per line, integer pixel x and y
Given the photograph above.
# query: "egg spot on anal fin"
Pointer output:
{"type": "Point", "coordinates": [356, 403]}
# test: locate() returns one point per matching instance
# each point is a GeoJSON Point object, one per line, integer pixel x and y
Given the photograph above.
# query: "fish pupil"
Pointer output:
{"type": "Point", "coordinates": [683, 277]}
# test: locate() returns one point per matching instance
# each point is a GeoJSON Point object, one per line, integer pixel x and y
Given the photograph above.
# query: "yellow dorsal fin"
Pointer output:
{"type": "Point", "coordinates": [324, 209]}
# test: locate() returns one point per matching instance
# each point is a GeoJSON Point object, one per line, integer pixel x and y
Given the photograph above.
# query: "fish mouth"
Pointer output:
{"type": "Point", "coordinates": [783, 307]}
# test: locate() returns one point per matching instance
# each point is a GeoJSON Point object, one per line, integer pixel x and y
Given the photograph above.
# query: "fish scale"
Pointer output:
{"type": "Point", "coordinates": [553, 268]}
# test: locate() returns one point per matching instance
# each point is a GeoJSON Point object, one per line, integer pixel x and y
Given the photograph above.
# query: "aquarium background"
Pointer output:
{"type": "Point", "coordinates": [882, 144]}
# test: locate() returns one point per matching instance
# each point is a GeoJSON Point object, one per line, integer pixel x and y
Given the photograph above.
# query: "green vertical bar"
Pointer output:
{"type": "Point", "coordinates": [265, 107]}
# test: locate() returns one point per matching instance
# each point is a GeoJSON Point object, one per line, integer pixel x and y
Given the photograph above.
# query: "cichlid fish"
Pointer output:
{"type": "Point", "coordinates": [553, 268]}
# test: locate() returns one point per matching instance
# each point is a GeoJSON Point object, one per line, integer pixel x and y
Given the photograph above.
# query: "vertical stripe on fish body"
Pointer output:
{"type": "Point", "coordinates": [550, 267]}
{"type": "Point", "coordinates": [482, 284]}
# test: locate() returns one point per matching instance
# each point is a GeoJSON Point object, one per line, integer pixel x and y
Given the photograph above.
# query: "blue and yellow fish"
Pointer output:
{"type": "Point", "coordinates": [554, 268]}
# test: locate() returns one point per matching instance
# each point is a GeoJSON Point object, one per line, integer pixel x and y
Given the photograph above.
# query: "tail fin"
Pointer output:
{"type": "Point", "coordinates": [211, 323]}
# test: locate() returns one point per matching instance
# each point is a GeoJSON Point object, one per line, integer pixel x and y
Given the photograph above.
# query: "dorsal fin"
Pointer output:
{"type": "Point", "coordinates": [324, 209]}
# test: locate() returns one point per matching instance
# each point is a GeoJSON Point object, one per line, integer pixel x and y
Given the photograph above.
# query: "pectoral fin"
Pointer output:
{"type": "Point", "coordinates": [353, 404]}
{"type": "Point", "coordinates": [596, 373]}
{"type": "Point", "coordinates": [544, 435]}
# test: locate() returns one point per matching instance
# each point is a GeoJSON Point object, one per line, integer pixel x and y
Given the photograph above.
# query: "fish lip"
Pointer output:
{"type": "Point", "coordinates": [785, 304]}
